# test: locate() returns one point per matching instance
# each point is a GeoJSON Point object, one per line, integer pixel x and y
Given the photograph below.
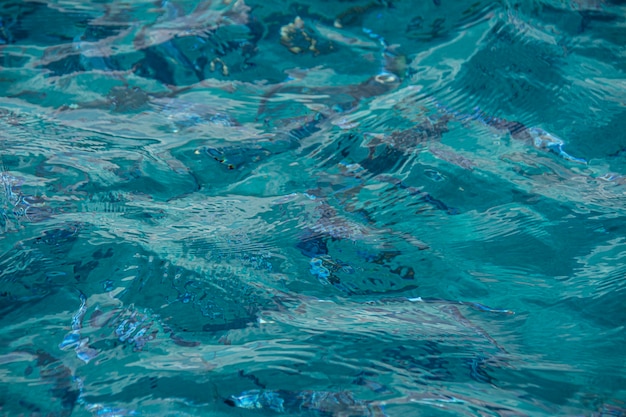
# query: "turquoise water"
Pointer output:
{"type": "Point", "coordinates": [351, 208]}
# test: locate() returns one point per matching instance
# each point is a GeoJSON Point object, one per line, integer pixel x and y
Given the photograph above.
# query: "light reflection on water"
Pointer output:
{"type": "Point", "coordinates": [312, 209]}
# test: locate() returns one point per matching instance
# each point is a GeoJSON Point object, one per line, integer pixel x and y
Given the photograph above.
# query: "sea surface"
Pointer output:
{"type": "Point", "coordinates": [313, 208]}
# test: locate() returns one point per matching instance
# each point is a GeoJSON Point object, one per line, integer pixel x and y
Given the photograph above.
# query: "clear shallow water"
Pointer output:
{"type": "Point", "coordinates": [323, 208]}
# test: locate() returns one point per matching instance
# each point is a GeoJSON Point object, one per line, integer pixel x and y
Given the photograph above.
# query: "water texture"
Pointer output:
{"type": "Point", "coordinates": [317, 208]}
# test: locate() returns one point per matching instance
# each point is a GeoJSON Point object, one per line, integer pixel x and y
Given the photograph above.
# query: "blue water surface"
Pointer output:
{"type": "Point", "coordinates": [316, 208]}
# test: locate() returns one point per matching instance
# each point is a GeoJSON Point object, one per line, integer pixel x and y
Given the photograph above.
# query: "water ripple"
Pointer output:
{"type": "Point", "coordinates": [328, 207]}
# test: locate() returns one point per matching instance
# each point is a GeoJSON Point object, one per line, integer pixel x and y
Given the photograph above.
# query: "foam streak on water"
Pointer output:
{"type": "Point", "coordinates": [356, 208]}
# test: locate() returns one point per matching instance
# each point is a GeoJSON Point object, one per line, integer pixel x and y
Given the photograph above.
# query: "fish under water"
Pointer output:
{"type": "Point", "coordinates": [418, 316]}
